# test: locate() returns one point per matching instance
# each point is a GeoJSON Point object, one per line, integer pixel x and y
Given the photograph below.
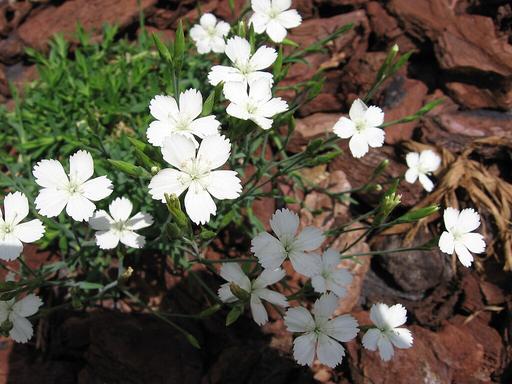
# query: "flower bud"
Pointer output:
{"type": "Point", "coordinates": [239, 292]}
{"type": "Point", "coordinates": [174, 206]}
{"type": "Point", "coordinates": [418, 214]}
{"type": "Point", "coordinates": [6, 327]}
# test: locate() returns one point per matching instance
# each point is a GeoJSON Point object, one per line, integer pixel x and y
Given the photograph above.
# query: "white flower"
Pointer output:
{"type": "Point", "coordinates": [421, 165]}
{"type": "Point", "coordinates": [76, 193]}
{"type": "Point", "coordinates": [257, 105]}
{"type": "Point", "coordinates": [458, 236]}
{"type": "Point", "coordinates": [330, 277]}
{"type": "Point", "coordinates": [12, 231]}
{"type": "Point", "coordinates": [274, 17]}
{"type": "Point", "coordinates": [320, 333]}
{"type": "Point", "coordinates": [209, 35]}
{"type": "Point", "coordinates": [195, 172]}
{"type": "Point", "coordinates": [182, 120]}
{"type": "Point", "coordinates": [361, 128]}
{"type": "Point", "coordinates": [246, 68]}
{"type": "Point", "coordinates": [257, 289]}
{"type": "Point", "coordinates": [16, 313]}
{"type": "Point", "coordinates": [118, 226]}
{"type": "Point", "coordinates": [387, 319]}
{"type": "Point", "coordinates": [271, 252]}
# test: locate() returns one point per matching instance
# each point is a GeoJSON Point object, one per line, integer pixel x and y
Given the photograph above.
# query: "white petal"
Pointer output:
{"type": "Point", "coordinates": [236, 92]}
{"type": "Point", "coordinates": [259, 313]}
{"type": "Point", "coordinates": [163, 107]}
{"type": "Point", "coordinates": [276, 31]}
{"type": "Point", "coordinates": [98, 188]}
{"type": "Point", "coordinates": [463, 254]}
{"type": "Point", "coordinates": [15, 207]}
{"type": "Point", "coordinates": [468, 220]}
{"type": "Point", "coordinates": [238, 50]}
{"type": "Point", "coordinates": [298, 319]}
{"type": "Point", "coordinates": [374, 116]}
{"type": "Point", "coordinates": [309, 239]}
{"type": "Point", "coordinates": [199, 204]}
{"type": "Point", "coordinates": [307, 264]}
{"type": "Point", "coordinates": [325, 306]}
{"type": "Point", "coordinates": [139, 221]}
{"type": "Point", "coordinates": [429, 160]}
{"type": "Point", "coordinates": [81, 166]}
{"type": "Point", "coordinates": [329, 351]}
{"type": "Point", "coordinates": [446, 243]}
{"type": "Point", "coordinates": [191, 103]}
{"type": "Point", "coordinates": [30, 231]}
{"type": "Point", "coordinates": [284, 223]}
{"type": "Point", "coordinates": [474, 242]}
{"type": "Point", "coordinates": [426, 182]}
{"type": "Point", "coordinates": [225, 294]}
{"type": "Point", "coordinates": [281, 5]}
{"type": "Point", "coordinates": [101, 221]}
{"type": "Point", "coordinates": [268, 250]}
{"type": "Point", "coordinates": [158, 131]}
{"type": "Point", "coordinates": [401, 338]}
{"type": "Point", "coordinates": [50, 174]}
{"type": "Point", "coordinates": [358, 145]}
{"type": "Point", "coordinates": [262, 122]}
{"type": "Point", "coordinates": [357, 110]}
{"type": "Point", "coordinates": [450, 217]}
{"type": "Point", "coordinates": [397, 315]}
{"type": "Point", "coordinates": [224, 184]}
{"type": "Point", "coordinates": [177, 149]}
{"type": "Point", "coordinates": [344, 128]}
{"type": "Point", "coordinates": [232, 272]}
{"type": "Point", "coordinates": [260, 6]}
{"type": "Point", "coordinates": [120, 209]}
{"type": "Point", "coordinates": [273, 297]}
{"type": "Point", "coordinates": [268, 277]}
{"type": "Point", "coordinates": [198, 33]}
{"type": "Point", "coordinates": [386, 351]}
{"type": "Point", "coordinates": [411, 175]}
{"type": "Point", "coordinates": [238, 111]}
{"type": "Point", "coordinates": [107, 239]}
{"type": "Point", "coordinates": [374, 137]}
{"type": "Point", "coordinates": [378, 315]}
{"type": "Point", "coordinates": [205, 126]}
{"type": "Point", "coordinates": [208, 20]}
{"type": "Point", "coordinates": [217, 44]}
{"type": "Point", "coordinates": [260, 91]}
{"type": "Point", "coordinates": [10, 248]}
{"type": "Point", "coordinates": [22, 330]}
{"type": "Point", "coordinates": [260, 75]}
{"type": "Point", "coordinates": [273, 107]}
{"type": "Point", "coordinates": [304, 348]}
{"type": "Point", "coordinates": [168, 181]}
{"type": "Point", "coordinates": [27, 306]}
{"type": "Point", "coordinates": [412, 159]}
{"type": "Point", "coordinates": [222, 28]}
{"type": "Point", "coordinates": [50, 202]}
{"type": "Point", "coordinates": [263, 58]}
{"type": "Point", "coordinates": [132, 239]}
{"type": "Point", "coordinates": [214, 151]}
{"type": "Point", "coordinates": [259, 21]}
{"type": "Point", "coordinates": [371, 338]}
{"type": "Point", "coordinates": [319, 284]}
{"type": "Point", "coordinates": [330, 258]}
{"type": "Point", "coordinates": [222, 73]}
{"type": "Point", "coordinates": [289, 19]}
{"type": "Point", "coordinates": [80, 208]}
{"type": "Point", "coordinates": [342, 328]}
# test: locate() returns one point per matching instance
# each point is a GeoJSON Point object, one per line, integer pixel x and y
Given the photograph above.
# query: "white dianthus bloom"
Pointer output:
{"type": "Point", "coordinates": [246, 68]}
{"type": "Point", "coordinates": [274, 17]}
{"type": "Point", "coordinates": [17, 312]}
{"type": "Point", "coordinates": [361, 128]}
{"type": "Point", "coordinates": [196, 172]}
{"type": "Point", "coordinates": [421, 165]}
{"type": "Point", "coordinates": [271, 251]}
{"type": "Point", "coordinates": [330, 277]}
{"type": "Point", "coordinates": [118, 226]}
{"type": "Point", "coordinates": [458, 236]}
{"type": "Point", "coordinates": [209, 34]}
{"type": "Point", "coordinates": [321, 334]}
{"type": "Point", "coordinates": [257, 289]}
{"type": "Point", "coordinates": [13, 233]}
{"type": "Point", "coordinates": [257, 105]}
{"type": "Point", "coordinates": [182, 119]}
{"type": "Point", "coordinates": [76, 193]}
{"type": "Point", "coordinates": [387, 320]}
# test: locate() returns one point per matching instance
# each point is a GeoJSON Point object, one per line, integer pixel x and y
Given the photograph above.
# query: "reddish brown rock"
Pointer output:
{"type": "Point", "coordinates": [166, 35]}
{"type": "Point", "coordinates": [311, 127]}
{"type": "Point", "coordinates": [11, 50]}
{"type": "Point", "coordinates": [91, 14]}
{"type": "Point", "coordinates": [4, 86]}
{"type": "Point", "coordinates": [12, 13]}
{"type": "Point", "coordinates": [475, 97]}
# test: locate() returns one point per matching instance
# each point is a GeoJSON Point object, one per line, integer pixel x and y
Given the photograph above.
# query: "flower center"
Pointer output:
{"type": "Point", "coordinates": [197, 169]}
{"type": "Point", "coordinates": [211, 31]}
{"type": "Point", "coordinates": [360, 125]}
{"type": "Point", "coordinates": [119, 226]}
{"type": "Point", "coordinates": [273, 13]}
{"type": "Point", "coordinates": [73, 188]}
{"type": "Point", "coordinates": [5, 230]}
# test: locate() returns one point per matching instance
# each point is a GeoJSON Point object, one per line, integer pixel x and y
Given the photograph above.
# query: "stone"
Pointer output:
{"type": "Point", "coordinates": [11, 50]}
{"type": "Point", "coordinates": [12, 13]}
{"type": "Point", "coordinates": [91, 14]}
{"type": "Point", "coordinates": [475, 97]}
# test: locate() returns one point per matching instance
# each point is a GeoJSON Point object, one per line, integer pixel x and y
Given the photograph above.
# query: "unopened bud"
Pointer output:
{"type": "Point", "coordinates": [174, 206]}
{"type": "Point", "coordinates": [155, 170]}
{"type": "Point", "coordinates": [125, 276]}
{"type": "Point", "coordinates": [6, 327]}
